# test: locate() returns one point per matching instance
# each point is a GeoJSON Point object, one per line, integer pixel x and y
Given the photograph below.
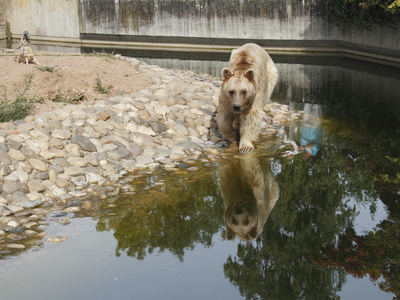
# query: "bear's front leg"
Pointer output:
{"type": "Point", "coordinates": [227, 124]}
{"type": "Point", "coordinates": [249, 131]}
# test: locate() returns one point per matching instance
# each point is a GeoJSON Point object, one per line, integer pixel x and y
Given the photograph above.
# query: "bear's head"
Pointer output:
{"type": "Point", "coordinates": [239, 88]}
{"type": "Point", "coordinates": [241, 218]}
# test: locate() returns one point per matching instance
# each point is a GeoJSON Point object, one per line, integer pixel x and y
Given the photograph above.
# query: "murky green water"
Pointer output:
{"type": "Point", "coordinates": [321, 222]}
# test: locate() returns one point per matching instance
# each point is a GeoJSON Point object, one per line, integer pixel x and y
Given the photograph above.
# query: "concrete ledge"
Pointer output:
{"type": "Point", "coordinates": [224, 46]}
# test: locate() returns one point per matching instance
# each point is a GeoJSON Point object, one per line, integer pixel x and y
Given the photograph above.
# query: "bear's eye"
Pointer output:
{"type": "Point", "coordinates": [231, 93]}
{"type": "Point", "coordinates": [244, 92]}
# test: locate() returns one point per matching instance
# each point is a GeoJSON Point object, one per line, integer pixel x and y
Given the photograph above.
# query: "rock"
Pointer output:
{"type": "Point", "coordinates": [15, 246]}
{"type": "Point", "coordinates": [74, 149]}
{"type": "Point", "coordinates": [144, 159]}
{"type": "Point", "coordinates": [31, 204]}
{"type": "Point", "coordinates": [11, 178]}
{"type": "Point", "coordinates": [92, 178]}
{"type": "Point", "coordinates": [125, 153]}
{"type": "Point", "coordinates": [13, 224]}
{"type": "Point", "coordinates": [5, 158]}
{"type": "Point", "coordinates": [5, 211]}
{"type": "Point", "coordinates": [38, 164]}
{"type": "Point", "coordinates": [188, 145]}
{"type": "Point", "coordinates": [14, 144]}
{"type": "Point", "coordinates": [87, 205]}
{"type": "Point", "coordinates": [15, 208]}
{"type": "Point", "coordinates": [4, 170]}
{"type": "Point", "coordinates": [77, 161]}
{"type": "Point", "coordinates": [158, 127]}
{"type": "Point", "coordinates": [27, 152]}
{"type": "Point", "coordinates": [60, 162]}
{"type": "Point", "coordinates": [36, 186]}
{"type": "Point", "coordinates": [83, 142]}
{"type": "Point", "coordinates": [103, 116]}
{"type": "Point", "coordinates": [58, 191]}
{"type": "Point", "coordinates": [57, 239]}
{"type": "Point", "coordinates": [19, 197]}
{"type": "Point", "coordinates": [9, 188]}
{"type": "Point", "coordinates": [74, 171]}
{"type": "Point", "coordinates": [72, 209]}
{"type": "Point", "coordinates": [93, 159]}
{"type": "Point", "coordinates": [34, 196]}
{"type": "Point", "coordinates": [62, 183]}
{"type": "Point", "coordinates": [61, 134]}
{"type": "Point", "coordinates": [42, 175]}
{"type": "Point", "coordinates": [3, 147]}
{"type": "Point", "coordinates": [16, 155]}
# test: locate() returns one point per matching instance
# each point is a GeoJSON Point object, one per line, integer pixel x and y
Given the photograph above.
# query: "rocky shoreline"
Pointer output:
{"type": "Point", "coordinates": [50, 158]}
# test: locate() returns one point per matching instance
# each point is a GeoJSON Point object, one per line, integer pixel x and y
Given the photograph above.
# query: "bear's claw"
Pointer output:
{"type": "Point", "coordinates": [246, 147]}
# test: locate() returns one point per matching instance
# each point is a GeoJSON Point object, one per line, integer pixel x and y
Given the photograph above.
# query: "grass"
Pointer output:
{"type": "Point", "coordinates": [9, 37]}
{"type": "Point", "coordinates": [73, 100]}
{"type": "Point", "coordinates": [47, 69]}
{"type": "Point", "coordinates": [21, 106]}
{"type": "Point", "coordinates": [101, 54]}
{"type": "Point", "coordinates": [100, 88]}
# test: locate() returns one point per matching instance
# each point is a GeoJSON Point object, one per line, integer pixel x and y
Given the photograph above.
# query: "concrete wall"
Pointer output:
{"type": "Point", "coordinates": [276, 24]}
{"type": "Point", "coordinates": [2, 22]}
{"type": "Point", "coordinates": [52, 18]}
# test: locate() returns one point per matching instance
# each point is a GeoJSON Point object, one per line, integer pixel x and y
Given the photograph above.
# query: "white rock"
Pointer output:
{"type": "Point", "coordinates": [61, 134]}
{"type": "Point", "coordinates": [13, 224]}
{"type": "Point", "coordinates": [92, 177]}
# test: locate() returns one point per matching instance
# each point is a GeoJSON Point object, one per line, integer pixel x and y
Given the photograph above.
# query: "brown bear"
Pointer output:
{"type": "Point", "coordinates": [247, 85]}
{"type": "Point", "coordinates": [250, 192]}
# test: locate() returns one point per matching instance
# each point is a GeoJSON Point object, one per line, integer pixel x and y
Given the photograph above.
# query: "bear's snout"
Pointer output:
{"type": "Point", "coordinates": [239, 210]}
{"type": "Point", "coordinates": [237, 107]}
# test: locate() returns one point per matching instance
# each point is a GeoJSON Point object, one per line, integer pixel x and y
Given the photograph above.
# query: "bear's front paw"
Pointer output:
{"type": "Point", "coordinates": [246, 146]}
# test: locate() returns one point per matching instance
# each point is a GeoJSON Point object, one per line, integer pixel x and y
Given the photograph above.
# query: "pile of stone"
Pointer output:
{"type": "Point", "coordinates": [67, 153]}
{"type": "Point", "coordinates": [58, 154]}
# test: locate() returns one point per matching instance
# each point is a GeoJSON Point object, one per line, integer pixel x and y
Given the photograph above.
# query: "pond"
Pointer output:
{"type": "Point", "coordinates": [320, 222]}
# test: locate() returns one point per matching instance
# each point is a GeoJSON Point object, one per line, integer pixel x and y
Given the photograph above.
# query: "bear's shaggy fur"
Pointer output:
{"type": "Point", "coordinates": [250, 192]}
{"type": "Point", "coordinates": [248, 83]}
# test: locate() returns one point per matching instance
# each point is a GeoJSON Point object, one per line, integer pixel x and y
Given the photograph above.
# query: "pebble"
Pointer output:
{"type": "Point", "coordinates": [57, 239]}
{"type": "Point", "coordinates": [13, 224]}
{"type": "Point", "coordinates": [15, 246]}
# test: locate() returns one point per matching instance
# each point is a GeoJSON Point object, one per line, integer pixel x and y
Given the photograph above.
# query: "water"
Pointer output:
{"type": "Point", "coordinates": [326, 223]}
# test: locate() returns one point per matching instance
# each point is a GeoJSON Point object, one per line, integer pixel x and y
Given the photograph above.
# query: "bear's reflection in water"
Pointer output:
{"type": "Point", "coordinates": [250, 192]}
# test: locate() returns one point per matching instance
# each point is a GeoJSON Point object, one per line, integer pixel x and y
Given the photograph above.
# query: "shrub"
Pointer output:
{"type": "Point", "coordinates": [20, 107]}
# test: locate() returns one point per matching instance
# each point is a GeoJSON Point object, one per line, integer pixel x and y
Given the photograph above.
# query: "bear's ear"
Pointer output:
{"type": "Point", "coordinates": [230, 234]}
{"type": "Point", "coordinates": [249, 75]}
{"type": "Point", "coordinates": [253, 232]}
{"type": "Point", "coordinates": [226, 73]}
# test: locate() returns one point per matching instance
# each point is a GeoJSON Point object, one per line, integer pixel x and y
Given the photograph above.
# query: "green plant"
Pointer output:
{"type": "Point", "coordinates": [100, 88]}
{"type": "Point", "coordinates": [360, 14]}
{"type": "Point", "coordinates": [9, 37]}
{"type": "Point", "coordinates": [101, 54]}
{"type": "Point", "coordinates": [137, 66]}
{"type": "Point", "coordinates": [20, 107]}
{"type": "Point", "coordinates": [47, 69]}
{"type": "Point", "coordinates": [74, 100]}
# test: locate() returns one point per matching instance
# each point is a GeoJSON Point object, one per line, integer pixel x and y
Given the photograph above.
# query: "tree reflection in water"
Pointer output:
{"type": "Point", "coordinates": [308, 242]}
{"type": "Point", "coordinates": [183, 211]}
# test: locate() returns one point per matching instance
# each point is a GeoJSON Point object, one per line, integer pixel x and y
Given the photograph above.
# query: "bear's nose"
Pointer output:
{"type": "Point", "coordinates": [236, 107]}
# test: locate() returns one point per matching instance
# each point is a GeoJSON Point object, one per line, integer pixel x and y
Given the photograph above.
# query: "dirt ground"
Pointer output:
{"type": "Point", "coordinates": [66, 78]}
